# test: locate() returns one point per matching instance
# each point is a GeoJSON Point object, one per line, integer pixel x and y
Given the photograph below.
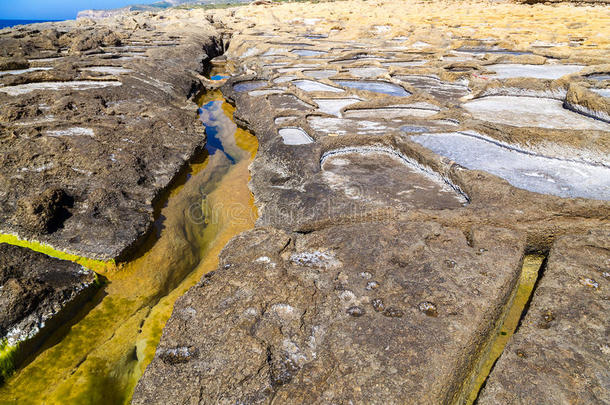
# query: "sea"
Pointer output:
{"type": "Point", "coordinates": [10, 23]}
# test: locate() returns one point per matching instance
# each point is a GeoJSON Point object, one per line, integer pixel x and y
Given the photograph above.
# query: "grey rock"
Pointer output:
{"type": "Point", "coordinates": [81, 170]}
{"type": "Point", "coordinates": [37, 294]}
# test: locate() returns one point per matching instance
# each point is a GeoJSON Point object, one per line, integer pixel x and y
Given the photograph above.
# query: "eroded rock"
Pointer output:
{"type": "Point", "coordinates": [560, 352]}
{"type": "Point", "coordinates": [37, 293]}
{"type": "Point", "coordinates": [111, 133]}
{"type": "Point", "coordinates": [44, 213]}
{"type": "Point", "coordinates": [288, 317]}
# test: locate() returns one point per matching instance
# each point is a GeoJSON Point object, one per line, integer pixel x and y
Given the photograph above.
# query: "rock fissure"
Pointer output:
{"type": "Point", "coordinates": [509, 322]}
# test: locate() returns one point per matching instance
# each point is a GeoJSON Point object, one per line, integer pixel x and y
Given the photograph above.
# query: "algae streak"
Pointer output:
{"type": "Point", "coordinates": [7, 360]}
{"type": "Point", "coordinates": [527, 281]}
{"type": "Point", "coordinates": [100, 358]}
{"type": "Point", "coordinates": [91, 264]}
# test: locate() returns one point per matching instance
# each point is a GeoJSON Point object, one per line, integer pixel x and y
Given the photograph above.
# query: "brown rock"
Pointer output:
{"type": "Point", "coordinates": [288, 318]}
{"type": "Point", "coordinates": [13, 64]}
{"type": "Point", "coordinates": [37, 294]}
{"type": "Point", "coordinates": [46, 212]}
{"type": "Point", "coordinates": [112, 149]}
{"type": "Point", "coordinates": [560, 353]}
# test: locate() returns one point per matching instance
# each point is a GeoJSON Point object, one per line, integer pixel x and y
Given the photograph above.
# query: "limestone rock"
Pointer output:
{"type": "Point", "coordinates": [13, 63]}
{"type": "Point", "coordinates": [560, 353]}
{"type": "Point", "coordinates": [367, 313]}
{"type": "Point", "coordinates": [44, 213]}
{"type": "Point", "coordinates": [92, 136]}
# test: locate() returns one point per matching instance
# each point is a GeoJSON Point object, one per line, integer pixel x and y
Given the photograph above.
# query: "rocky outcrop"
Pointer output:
{"type": "Point", "coordinates": [348, 137]}
{"type": "Point", "coordinates": [586, 101]}
{"type": "Point", "coordinates": [560, 352]}
{"type": "Point", "coordinates": [37, 294]}
{"type": "Point", "coordinates": [100, 14]}
{"type": "Point", "coordinates": [156, 6]}
{"type": "Point", "coordinates": [403, 170]}
{"type": "Point", "coordinates": [95, 128]}
{"type": "Point", "coordinates": [362, 313]}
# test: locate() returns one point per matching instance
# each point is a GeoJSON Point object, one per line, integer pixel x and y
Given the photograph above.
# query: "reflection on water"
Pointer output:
{"type": "Point", "coordinates": [377, 87]}
{"type": "Point", "coordinates": [249, 85]}
{"type": "Point", "coordinates": [99, 358]}
{"type": "Point", "coordinates": [223, 134]}
{"type": "Point", "coordinates": [218, 128]}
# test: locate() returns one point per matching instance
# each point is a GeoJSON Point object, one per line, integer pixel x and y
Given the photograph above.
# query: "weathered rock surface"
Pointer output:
{"type": "Point", "coordinates": [375, 97]}
{"type": "Point", "coordinates": [35, 289]}
{"type": "Point", "coordinates": [384, 173]}
{"type": "Point", "coordinates": [367, 313]}
{"type": "Point", "coordinates": [360, 283]}
{"type": "Point", "coordinates": [89, 141]}
{"type": "Point", "coordinates": [560, 352]}
{"type": "Point", "coordinates": [351, 288]}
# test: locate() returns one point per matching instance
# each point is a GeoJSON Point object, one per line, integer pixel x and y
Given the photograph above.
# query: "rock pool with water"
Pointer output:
{"type": "Point", "coordinates": [249, 85]}
{"type": "Point", "coordinates": [377, 87]}
{"type": "Point", "coordinates": [520, 167]}
{"type": "Point", "coordinates": [507, 71]}
{"type": "Point", "coordinates": [294, 136]}
{"type": "Point", "coordinates": [531, 112]}
{"type": "Point", "coordinates": [310, 85]}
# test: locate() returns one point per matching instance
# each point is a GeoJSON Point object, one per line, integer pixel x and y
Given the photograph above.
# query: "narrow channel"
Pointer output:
{"type": "Point", "coordinates": [99, 357]}
{"type": "Point", "coordinates": [525, 287]}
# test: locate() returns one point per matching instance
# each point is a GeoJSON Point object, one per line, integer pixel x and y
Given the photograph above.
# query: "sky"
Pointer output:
{"type": "Point", "coordinates": [56, 9]}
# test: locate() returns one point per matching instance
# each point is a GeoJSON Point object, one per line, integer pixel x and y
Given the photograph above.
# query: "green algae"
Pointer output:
{"type": "Point", "coordinates": [11, 356]}
{"type": "Point", "coordinates": [99, 358]}
{"type": "Point", "coordinates": [7, 359]}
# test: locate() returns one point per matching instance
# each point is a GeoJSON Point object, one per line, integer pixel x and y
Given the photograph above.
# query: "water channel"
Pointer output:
{"type": "Point", "coordinates": [99, 356]}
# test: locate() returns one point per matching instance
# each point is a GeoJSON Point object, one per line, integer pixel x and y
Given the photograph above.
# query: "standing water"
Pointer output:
{"type": "Point", "coordinates": [99, 357]}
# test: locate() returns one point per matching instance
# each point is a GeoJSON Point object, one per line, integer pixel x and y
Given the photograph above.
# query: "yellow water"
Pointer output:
{"type": "Point", "coordinates": [99, 358]}
{"type": "Point", "coordinates": [527, 281]}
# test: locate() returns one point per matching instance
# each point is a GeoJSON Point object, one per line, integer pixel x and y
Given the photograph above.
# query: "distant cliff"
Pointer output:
{"type": "Point", "coordinates": [160, 5]}
{"type": "Point", "coordinates": [98, 14]}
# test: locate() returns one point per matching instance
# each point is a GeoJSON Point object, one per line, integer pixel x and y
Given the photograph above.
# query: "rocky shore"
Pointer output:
{"type": "Point", "coordinates": [96, 123]}
{"type": "Point", "coordinates": [388, 246]}
{"type": "Point", "coordinates": [407, 164]}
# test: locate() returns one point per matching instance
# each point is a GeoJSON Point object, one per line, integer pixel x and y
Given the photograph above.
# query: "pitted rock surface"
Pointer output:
{"type": "Point", "coordinates": [560, 353]}
{"type": "Point", "coordinates": [381, 266]}
{"type": "Point", "coordinates": [337, 315]}
{"type": "Point", "coordinates": [351, 288]}
{"type": "Point", "coordinates": [359, 93]}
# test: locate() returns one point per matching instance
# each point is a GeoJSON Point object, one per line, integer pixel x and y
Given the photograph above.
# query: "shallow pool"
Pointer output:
{"type": "Point", "coordinates": [521, 168]}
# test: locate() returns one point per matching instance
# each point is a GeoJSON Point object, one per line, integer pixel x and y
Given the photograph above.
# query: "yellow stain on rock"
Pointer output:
{"type": "Point", "coordinates": [92, 264]}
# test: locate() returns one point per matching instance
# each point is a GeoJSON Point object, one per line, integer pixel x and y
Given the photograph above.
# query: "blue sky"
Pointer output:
{"type": "Point", "coordinates": [56, 9]}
